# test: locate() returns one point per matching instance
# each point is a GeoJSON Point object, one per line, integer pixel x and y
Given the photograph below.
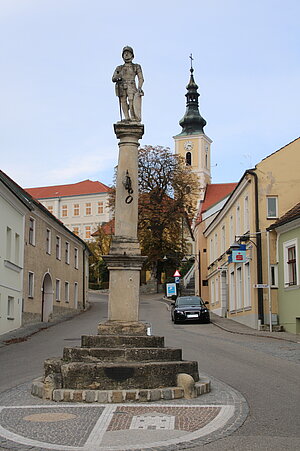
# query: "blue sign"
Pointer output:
{"type": "Point", "coordinates": [238, 256]}
{"type": "Point", "coordinates": [177, 279]}
{"type": "Point", "coordinates": [171, 289]}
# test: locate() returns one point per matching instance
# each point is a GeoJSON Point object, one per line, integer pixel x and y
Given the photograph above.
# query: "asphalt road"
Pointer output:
{"type": "Point", "coordinates": [264, 370]}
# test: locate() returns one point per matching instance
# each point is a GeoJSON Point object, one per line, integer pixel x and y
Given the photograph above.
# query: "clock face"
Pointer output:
{"type": "Point", "coordinates": [188, 145]}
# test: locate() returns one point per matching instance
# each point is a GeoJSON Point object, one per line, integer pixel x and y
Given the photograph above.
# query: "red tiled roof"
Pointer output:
{"type": "Point", "coordinates": [291, 215]}
{"type": "Point", "coordinates": [214, 193]}
{"type": "Point", "coordinates": [108, 228]}
{"type": "Point", "coordinates": [74, 189]}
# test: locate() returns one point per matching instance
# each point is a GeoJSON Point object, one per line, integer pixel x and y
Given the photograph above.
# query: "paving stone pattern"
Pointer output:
{"type": "Point", "coordinates": [59, 432]}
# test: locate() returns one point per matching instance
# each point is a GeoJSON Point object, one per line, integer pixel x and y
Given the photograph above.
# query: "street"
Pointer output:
{"type": "Point", "coordinates": [265, 371]}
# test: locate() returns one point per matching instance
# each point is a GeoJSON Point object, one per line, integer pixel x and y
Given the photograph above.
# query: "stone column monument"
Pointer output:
{"type": "Point", "coordinates": [122, 363]}
{"type": "Point", "coordinates": [124, 260]}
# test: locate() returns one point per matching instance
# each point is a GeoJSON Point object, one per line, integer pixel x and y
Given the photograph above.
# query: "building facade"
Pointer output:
{"type": "Point", "coordinates": [13, 207]}
{"type": "Point", "coordinates": [287, 229]}
{"type": "Point", "coordinates": [241, 254]}
{"type": "Point", "coordinates": [55, 268]}
{"type": "Point", "coordinates": [82, 206]}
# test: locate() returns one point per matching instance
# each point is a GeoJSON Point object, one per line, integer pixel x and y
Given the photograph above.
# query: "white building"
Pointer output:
{"type": "Point", "coordinates": [81, 206]}
{"type": "Point", "coordinates": [13, 208]}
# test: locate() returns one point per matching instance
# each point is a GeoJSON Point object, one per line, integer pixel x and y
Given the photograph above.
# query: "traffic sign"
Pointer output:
{"type": "Point", "coordinates": [177, 279]}
{"type": "Point", "coordinates": [176, 273]}
{"type": "Point", "coordinates": [171, 289]}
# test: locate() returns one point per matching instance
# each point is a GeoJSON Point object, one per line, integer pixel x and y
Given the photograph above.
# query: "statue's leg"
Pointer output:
{"type": "Point", "coordinates": [125, 108]}
{"type": "Point", "coordinates": [131, 109]}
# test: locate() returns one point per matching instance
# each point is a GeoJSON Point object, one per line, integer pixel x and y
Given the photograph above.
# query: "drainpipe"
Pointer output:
{"type": "Point", "coordinates": [199, 273]}
{"type": "Point", "coordinates": [83, 276]}
{"type": "Point", "coordinates": [260, 298]}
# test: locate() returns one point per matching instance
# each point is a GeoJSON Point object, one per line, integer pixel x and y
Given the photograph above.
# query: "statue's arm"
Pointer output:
{"type": "Point", "coordinates": [117, 75]}
{"type": "Point", "coordinates": [139, 74]}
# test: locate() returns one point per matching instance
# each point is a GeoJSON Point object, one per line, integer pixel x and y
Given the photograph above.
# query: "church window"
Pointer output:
{"type": "Point", "coordinates": [188, 159]}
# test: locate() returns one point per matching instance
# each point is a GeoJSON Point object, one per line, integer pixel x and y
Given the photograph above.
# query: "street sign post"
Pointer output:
{"type": "Point", "coordinates": [261, 285]}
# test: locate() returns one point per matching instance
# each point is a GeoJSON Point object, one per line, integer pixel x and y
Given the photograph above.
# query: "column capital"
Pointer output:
{"type": "Point", "coordinates": [124, 129]}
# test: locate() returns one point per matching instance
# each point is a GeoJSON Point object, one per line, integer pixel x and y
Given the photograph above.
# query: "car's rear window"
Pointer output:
{"type": "Point", "coordinates": [189, 301]}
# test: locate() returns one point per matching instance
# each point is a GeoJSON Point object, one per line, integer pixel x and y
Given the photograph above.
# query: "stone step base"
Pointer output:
{"type": "Point", "coordinates": [115, 396]}
{"type": "Point", "coordinates": [77, 354]}
{"type": "Point", "coordinates": [119, 341]}
{"type": "Point", "coordinates": [117, 376]}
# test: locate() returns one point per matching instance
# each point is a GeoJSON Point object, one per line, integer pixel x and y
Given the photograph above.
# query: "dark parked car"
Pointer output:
{"type": "Point", "coordinates": [189, 308]}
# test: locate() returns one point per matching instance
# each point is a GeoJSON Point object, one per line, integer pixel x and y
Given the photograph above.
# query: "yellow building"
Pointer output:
{"type": "Point", "coordinates": [241, 254]}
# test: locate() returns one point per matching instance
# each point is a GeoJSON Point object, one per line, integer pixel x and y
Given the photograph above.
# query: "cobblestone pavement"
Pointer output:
{"type": "Point", "coordinates": [29, 423]}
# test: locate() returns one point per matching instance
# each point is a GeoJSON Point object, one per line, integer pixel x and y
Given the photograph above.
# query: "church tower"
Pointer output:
{"type": "Point", "coordinates": [192, 143]}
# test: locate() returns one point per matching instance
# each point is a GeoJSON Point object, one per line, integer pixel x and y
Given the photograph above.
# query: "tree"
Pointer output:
{"type": "Point", "coordinates": [168, 192]}
{"type": "Point", "coordinates": [98, 269]}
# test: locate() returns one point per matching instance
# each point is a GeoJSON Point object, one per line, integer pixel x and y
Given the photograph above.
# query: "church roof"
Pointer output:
{"type": "Point", "coordinates": [73, 189]}
{"type": "Point", "coordinates": [192, 122]}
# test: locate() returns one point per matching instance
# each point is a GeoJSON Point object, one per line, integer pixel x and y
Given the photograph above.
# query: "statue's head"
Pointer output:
{"type": "Point", "coordinates": [127, 50]}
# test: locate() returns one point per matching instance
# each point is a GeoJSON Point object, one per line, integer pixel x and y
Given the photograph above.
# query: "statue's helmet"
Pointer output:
{"type": "Point", "coordinates": [128, 49]}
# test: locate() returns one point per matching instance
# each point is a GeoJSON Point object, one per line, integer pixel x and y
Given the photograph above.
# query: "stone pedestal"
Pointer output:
{"type": "Point", "coordinates": [124, 260]}
{"type": "Point", "coordinates": [122, 363]}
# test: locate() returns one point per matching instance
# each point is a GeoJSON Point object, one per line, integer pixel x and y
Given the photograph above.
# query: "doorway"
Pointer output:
{"type": "Point", "coordinates": [47, 297]}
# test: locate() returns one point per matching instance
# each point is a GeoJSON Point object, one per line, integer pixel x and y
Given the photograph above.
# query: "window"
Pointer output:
{"type": "Point", "coordinates": [212, 292]}
{"type": "Point", "coordinates": [75, 295]}
{"type": "Point", "coordinates": [231, 292]}
{"type": "Point", "coordinates": [247, 285]}
{"type": "Point", "coordinates": [57, 290]}
{"type": "Point", "coordinates": [30, 284]}
{"type": "Point", "coordinates": [239, 296]}
{"type": "Point", "coordinates": [274, 275]}
{"type": "Point", "coordinates": [76, 258]}
{"type": "Point", "coordinates": [231, 231]}
{"type": "Point", "coordinates": [88, 232]}
{"type": "Point", "coordinates": [50, 208]}
{"type": "Point", "coordinates": [67, 291]}
{"type": "Point", "coordinates": [67, 253]}
{"type": "Point", "coordinates": [10, 307]}
{"type": "Point", "coordinates": [223, 240]}
{"type": "Point", "coordinates": [217, 290]}
{"type": "Point", "coordinates": [76, 210]}
{"type": "Point", "coordinates": [246, 215]}
{"type": "Point", "coordinates": [64, 211]}
{"type": "Point", "coordinates": [76, 230]}
{"type": "Point", "coordinates": [8, 243]}
{"type": "Point", "coordinates": [272, 207]}
{"type": "Point", "coordinates": [100, 208]}
{"type": "Point", "coordinates": [88, 208]}
{"type": "Point", "coordinates": [58, 248]}
{"type": "Point", "coordinates": [48, 241]}
{"type": "Point", "coordinates": [211, 248]}
{"type": "Point", "coordinates": [188, 158]}
{"type": "Point", "coordinates": [31, 231]}
{"type": "Point", "coordinates": [17, 248]}
{"type": "Point", "coordinates": [291, 276]}
{"type": "Point", "coordinates": [238, 221]}
{"type": "Point", "coordinates": [216, 250]}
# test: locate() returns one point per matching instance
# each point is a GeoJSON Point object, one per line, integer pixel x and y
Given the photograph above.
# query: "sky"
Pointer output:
{"type": "Point", "coordinates": [57, 99]}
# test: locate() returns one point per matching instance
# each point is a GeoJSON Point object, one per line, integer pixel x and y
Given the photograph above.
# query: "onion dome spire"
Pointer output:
{"type": "Point", "coordinates": [192, 122]}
